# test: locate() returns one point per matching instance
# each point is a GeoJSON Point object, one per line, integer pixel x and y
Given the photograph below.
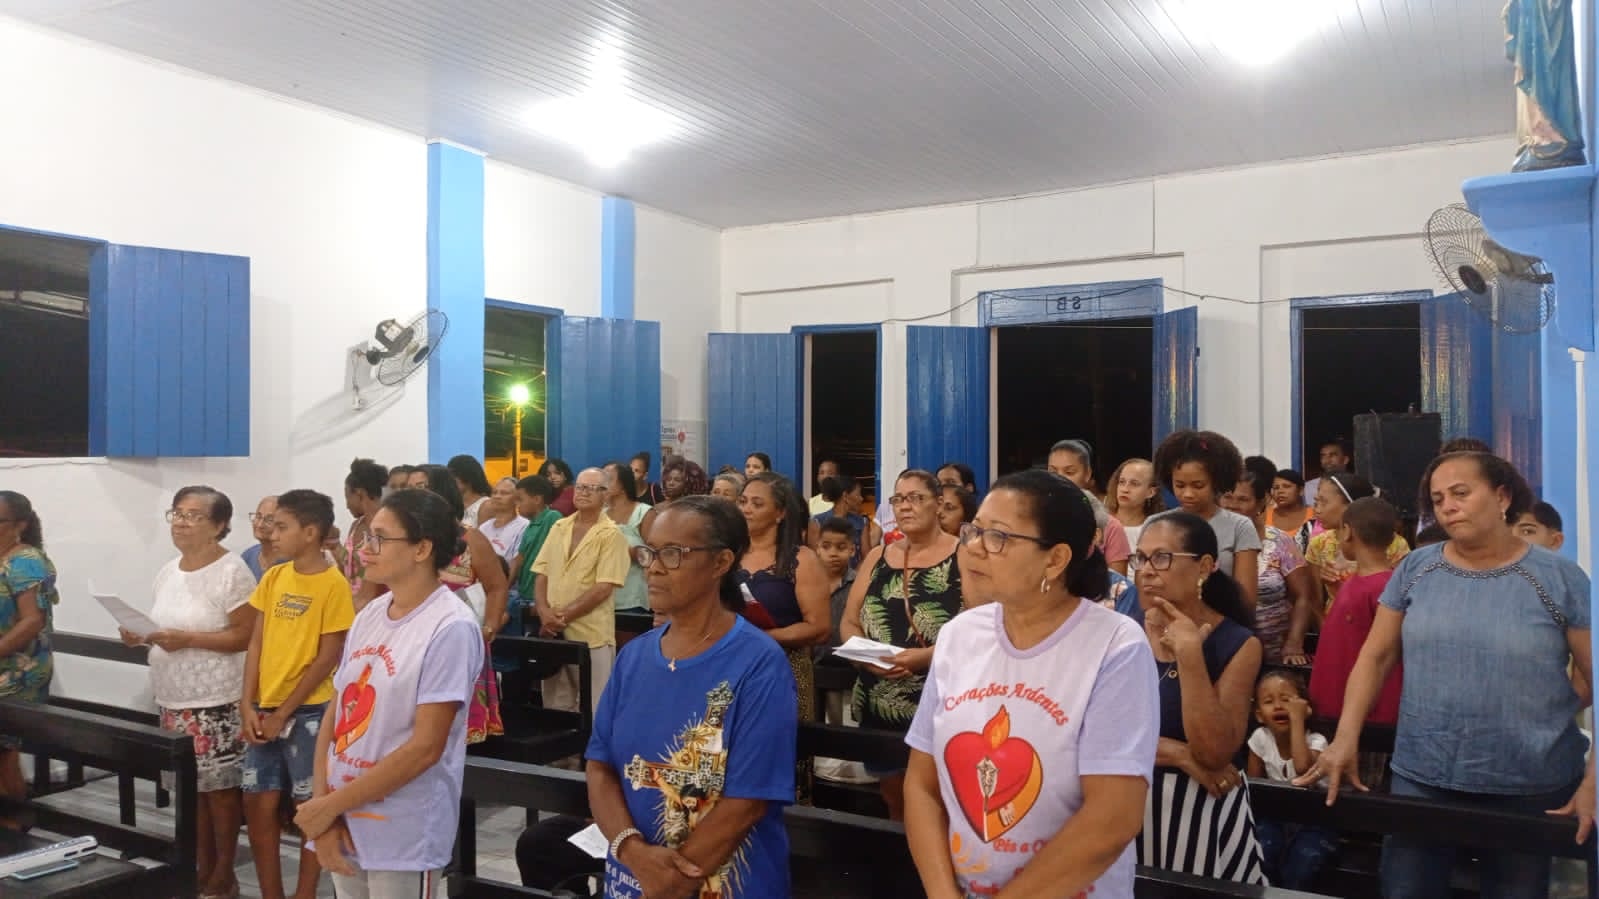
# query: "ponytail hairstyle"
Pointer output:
{"type": "Point", "coordinates": [791, 529]}
{"type": "Point", "coordinates": [1499, 473]}
{"type": "Point", "coordinates": [442, 482]}
{"type": "Point", "coordinates": [1220, 591]}
{"type": "Point", "coordinates": [724, 528]}
{"type": "Point", "coordinates": [19, 508]}
{"type": "Point", "coordinates": [1063, 514]}
{"type": "Point", "coordinates": [427, 516]}
{"type": "Point", "coordinates": [368, 477]}
{"type": "Point", "coordinates": [623, 473]}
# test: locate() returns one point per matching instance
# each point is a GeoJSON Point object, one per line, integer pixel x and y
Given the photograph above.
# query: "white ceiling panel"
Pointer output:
{"type": "Point", "coordinates": [793, 109]}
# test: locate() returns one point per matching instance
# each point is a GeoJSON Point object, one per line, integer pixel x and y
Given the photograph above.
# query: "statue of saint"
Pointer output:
{"type": "Point", "coordinates": [1540, 41]}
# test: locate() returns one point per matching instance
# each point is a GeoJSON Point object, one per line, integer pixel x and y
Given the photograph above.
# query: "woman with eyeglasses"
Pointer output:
{"type": "Point", "coordinates": [1032, 746]}
{"type": "Point", "coordinates": [391, 753]}
{"type": "Point", "coordinates": [477, 568]}
{"type": "Point", "coordinates": [692, 756]}
{"type": "Point", "coordinates": [911, 589]}
{"type": "Point", "coordinates": [202, 605]}
{"type": "Point", "coordinates": [27, 596]}
{"type": "Point", "coordinates": [1200, 628]}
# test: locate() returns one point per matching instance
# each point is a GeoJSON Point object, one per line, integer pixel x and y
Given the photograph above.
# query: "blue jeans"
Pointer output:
{"type": "Point", "coordinates": [1414, 868]}
{"type": "Point", "coordinates": [1294, 854]}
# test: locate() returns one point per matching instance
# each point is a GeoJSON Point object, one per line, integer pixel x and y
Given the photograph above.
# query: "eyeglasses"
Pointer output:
{"type": "Point", "coordinates": [914, 499]}
{"type": "Point", "coordinates": [258, 518]}
{"type": "Point", "coordinates": [176, 515]}
{"type": "Point", "coordinates": [1160, 559]}
{"type": "Point", "coordinates": [671, 556]}
{"type": "Point", "coordinates": [373, 541]}
{"type": "Point", "coordinates": [590, 488]}
{"type": "Point", "coordinates": [993, 540]}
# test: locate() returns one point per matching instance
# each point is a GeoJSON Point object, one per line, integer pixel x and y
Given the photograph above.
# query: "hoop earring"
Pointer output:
{"type": "Point", "coordinates": [1043, 584]}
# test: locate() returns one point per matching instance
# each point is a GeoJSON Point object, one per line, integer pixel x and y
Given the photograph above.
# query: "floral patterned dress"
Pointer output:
{"type": "Point", "coordinates": [906, 611]}
{"type": "Point", "coordinates": [483, 717]}
{"type": "Point", "coordinates": [25, 674]}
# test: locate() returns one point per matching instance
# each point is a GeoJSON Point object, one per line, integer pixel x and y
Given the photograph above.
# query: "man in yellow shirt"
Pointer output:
{"type": "Point", "coordinates": [303, 610]}
{"type": "Point", "coordinates": [584, 559]}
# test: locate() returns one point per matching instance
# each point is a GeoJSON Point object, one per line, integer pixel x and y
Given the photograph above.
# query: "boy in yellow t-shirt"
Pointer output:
{"type": "Point", "coordinates": [303, 610]}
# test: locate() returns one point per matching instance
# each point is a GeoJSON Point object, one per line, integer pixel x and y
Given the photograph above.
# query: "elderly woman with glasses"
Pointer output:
{"type": "Point", "coordinates": [692, 756]}
{"type": "Point", "coordinates": [911, 589]}
{"type": "Point", "coordinates": [1032, 746]}
{"type": "Point", "coordinates": [202, 605]}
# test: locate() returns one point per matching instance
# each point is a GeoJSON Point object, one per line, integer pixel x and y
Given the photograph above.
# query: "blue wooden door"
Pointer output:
{"type": "Point", "coordinates": [754, 401]}
{"type": "Point", "coordinates": [947, 373]}
{"type": "Point", "coordinates": [1457, 367]}
{"type": "Point", "coordinates": [1176, 389]}
{"type": "Point", "coordinates": [609, 390]}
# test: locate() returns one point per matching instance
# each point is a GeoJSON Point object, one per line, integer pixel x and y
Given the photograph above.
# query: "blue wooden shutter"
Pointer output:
{"type": "Point", "coordinates": [754, 401]}
{"type": "Point", "coordinates": [1517, 387]}
{"type": "Point", "coordinates": [1456, 341]}
{"type": "Point", "coordinates": [947, 390]}
{"type": "Point", "coordinates": [610, 390]}
{"type": "Point", "coordinates": [169, 346]}
{"type": "Point", "coordinates": [1176, 393]}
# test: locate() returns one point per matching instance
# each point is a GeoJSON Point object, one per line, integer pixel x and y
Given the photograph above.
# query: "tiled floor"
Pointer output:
{"type": "Point", "coordinates": [497, 831]}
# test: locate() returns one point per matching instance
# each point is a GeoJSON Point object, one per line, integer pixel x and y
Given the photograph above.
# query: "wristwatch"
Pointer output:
{"type": "Point", "coordinates": [619, 839]}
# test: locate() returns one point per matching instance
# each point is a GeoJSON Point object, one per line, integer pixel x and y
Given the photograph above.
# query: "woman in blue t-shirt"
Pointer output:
{"type": "Point", "coordinates": [1482, 601]}
{"type": "Point", "coordinates": [692, 756]}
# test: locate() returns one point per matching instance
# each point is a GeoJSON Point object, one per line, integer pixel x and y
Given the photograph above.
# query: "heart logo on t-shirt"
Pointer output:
{"type": "Point", "coordinates": [997, 777]}
{"type": "Point", "coordinates": [355, 711]}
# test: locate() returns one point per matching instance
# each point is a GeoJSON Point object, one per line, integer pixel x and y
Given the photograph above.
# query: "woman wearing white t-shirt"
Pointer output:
{"type": "Point", "coordinates": [499, 522]}
{"type": "Point", "coordinates": [391, 752]}
{"type": "Point", "coordinates": [202, 604]}
{"type": "Point", "coordinates": [1034, 742]}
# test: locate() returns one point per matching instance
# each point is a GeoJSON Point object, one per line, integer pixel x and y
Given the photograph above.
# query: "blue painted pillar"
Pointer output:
{"type": "Point", "coordinates": [456, 288]}
{"type": "Point", "coordinates": [617, 243]}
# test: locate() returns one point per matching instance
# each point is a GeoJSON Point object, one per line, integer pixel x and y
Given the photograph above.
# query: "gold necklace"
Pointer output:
{"type": "Point", "coordinates": [671, 663]}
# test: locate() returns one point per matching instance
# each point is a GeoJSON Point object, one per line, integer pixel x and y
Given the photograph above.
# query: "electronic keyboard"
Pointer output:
{"type": "Point", "coordinates": [76, 847]}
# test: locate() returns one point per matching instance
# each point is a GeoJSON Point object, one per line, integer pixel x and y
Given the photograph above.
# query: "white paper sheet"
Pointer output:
{"type": "Point", "coordinates": [128, 618]}
{"type": "Point", "coordinates": [871, 652]}
{"type": "Point", "coordinates": [591, 840]}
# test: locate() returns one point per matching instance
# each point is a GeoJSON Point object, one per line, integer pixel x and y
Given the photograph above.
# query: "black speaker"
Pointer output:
{"type": "Point", "coordinates": [1392, 450]}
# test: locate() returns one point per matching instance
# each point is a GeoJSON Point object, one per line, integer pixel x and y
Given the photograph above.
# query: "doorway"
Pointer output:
{"type": "Point", "coordinates": [516, 390]}
{"type": "Point", "coordinates": [1355, 359]}
{"type": "Point", "coordinates": [841, 396]}
{"type": "Point", "coordinates": [1090, 381]}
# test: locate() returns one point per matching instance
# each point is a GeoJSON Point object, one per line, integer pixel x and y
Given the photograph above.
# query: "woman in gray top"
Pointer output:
{"type": "Point", "coordinates": [1198, 467]}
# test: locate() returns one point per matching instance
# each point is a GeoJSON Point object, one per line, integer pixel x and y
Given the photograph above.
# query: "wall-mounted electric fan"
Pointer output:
{"type": "Point", "coordinates": [1515, 291]}
{"type": "Point", "coordinates": [396, 352]}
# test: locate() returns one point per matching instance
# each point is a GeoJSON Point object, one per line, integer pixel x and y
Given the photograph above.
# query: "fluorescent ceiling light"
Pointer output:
{"type": "Point", "coordinates": [603, 122]}
{"type": "Point", "coordinates": [1254, 32]}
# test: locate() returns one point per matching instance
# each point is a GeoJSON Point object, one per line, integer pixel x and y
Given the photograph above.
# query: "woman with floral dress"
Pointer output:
{"type": "Point", "coordinates": [912, 590]}
{"type": "Point", "coordinates": [27, 593]}
{"type": "Point", "coordinates": [476, 566]}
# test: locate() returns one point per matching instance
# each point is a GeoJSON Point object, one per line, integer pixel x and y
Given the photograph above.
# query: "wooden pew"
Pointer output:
{"type": "Point", "coordinates": [815, 836]}
{"type": "Point", "coordinates": [109, 650]}
{"type": "Point", "coordinates": [534, 734]}
{"type": "Point", "coordinates": [129, 749]}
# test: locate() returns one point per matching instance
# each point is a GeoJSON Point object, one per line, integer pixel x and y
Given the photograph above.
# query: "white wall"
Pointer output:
{"type": "Point", "coordinates": [677, 274]}
{"type": "Point", "coordinates": [332, 214]}
{"type": "Point", "coordinates": [1314, 228]}
{"type": "Point", "coordinates": [541, 240]}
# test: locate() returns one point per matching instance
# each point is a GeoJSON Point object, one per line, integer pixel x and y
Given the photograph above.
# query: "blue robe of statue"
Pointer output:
{"type": "Point", "coordinates": [1540, 41]}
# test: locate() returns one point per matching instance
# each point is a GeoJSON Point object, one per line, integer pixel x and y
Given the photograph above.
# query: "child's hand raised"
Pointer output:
{"type": "Point", "coordinates": [1298, 709]}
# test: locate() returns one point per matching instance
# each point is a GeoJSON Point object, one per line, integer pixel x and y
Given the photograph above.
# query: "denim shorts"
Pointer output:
{"type": "Point", "coordinates": [288, 763]}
